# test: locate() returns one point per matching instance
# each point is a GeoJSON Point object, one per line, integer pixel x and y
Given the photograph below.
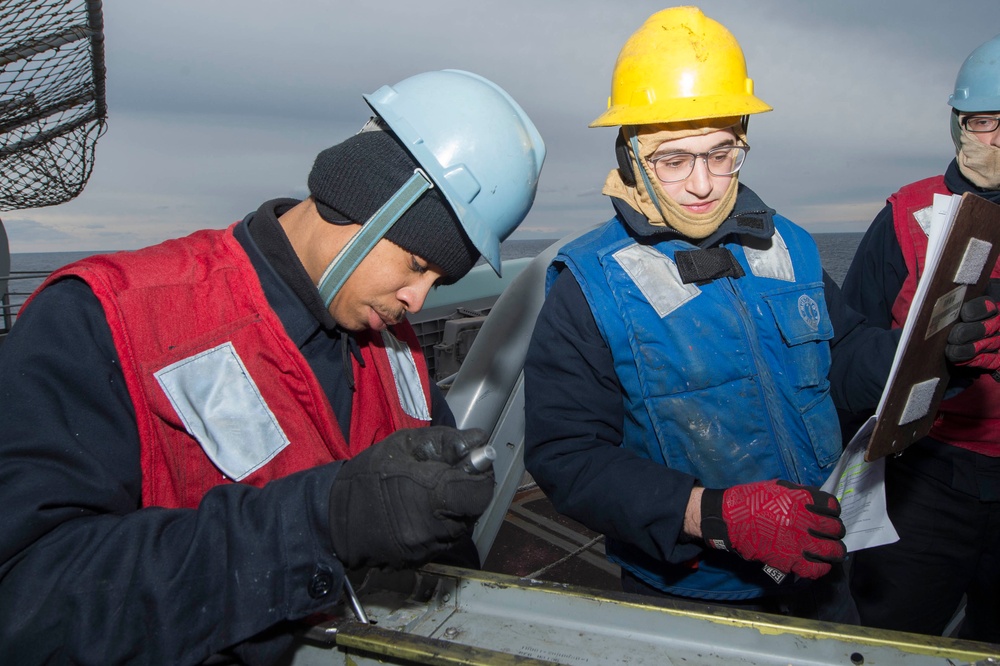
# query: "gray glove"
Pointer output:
{"type": "Point", "coordinates": [405, 499]}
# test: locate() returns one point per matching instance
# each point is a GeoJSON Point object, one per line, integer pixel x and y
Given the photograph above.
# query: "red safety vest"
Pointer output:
{"type": "Point", "coordinates": [971, 419]}
{"type": "Point", "coordinates": [196, 303]}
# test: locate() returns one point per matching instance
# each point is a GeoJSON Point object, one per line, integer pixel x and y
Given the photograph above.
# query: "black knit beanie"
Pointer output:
{"type": "Point", "coordinates": [353, 179]}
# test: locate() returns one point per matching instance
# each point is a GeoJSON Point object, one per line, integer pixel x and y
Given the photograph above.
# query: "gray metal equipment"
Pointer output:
{"type": "Point", "coordinates": [442, 615]}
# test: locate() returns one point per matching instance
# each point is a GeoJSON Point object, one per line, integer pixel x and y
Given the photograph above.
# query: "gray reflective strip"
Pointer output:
{"type": "Point", "coordinates": [774, 262]}
{"type": "Point", "coordinates": [371, 232]}
{"type": "Point", "coordinates": [924, 216]}
{"type": "Point", "coordinates": [409, 388]}
{"type": "Point", "coordinates": [221, 407]}
{"type": "Point", "coordinates": [657, 277]}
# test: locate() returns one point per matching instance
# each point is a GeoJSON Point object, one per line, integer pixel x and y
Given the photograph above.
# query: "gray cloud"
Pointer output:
{"type": "Point", "coordinates": [216, 106]}
{"type": "Point", "coordinates": [22, 231]}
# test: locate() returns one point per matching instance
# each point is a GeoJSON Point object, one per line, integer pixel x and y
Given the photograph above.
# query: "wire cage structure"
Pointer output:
{"type": "Point", "coordinates": [52, 99]}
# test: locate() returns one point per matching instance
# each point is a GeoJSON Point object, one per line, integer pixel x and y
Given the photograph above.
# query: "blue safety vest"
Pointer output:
{"type": "Point", "coordinates": [726, 381]}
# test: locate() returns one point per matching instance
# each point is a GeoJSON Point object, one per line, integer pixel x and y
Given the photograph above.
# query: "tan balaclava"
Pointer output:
{"type": "Point", "coordinates": [979, 162]}
{"type": "Point", "coordinates": [659, 208]}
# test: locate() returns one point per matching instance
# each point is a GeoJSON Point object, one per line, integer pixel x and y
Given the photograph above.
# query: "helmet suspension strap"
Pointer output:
{"type": "Point", "coordinates": [634, 142]}
{"type": "Point", "coordinates": [372, 231]}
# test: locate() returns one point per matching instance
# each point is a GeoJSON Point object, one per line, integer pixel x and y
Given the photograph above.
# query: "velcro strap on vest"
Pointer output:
{"type": "Point", "coordinates": [701, 266]}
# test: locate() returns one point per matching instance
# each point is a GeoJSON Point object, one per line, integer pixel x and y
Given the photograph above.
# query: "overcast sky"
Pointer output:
{"type": "Point", "coordinates": [218, 105]}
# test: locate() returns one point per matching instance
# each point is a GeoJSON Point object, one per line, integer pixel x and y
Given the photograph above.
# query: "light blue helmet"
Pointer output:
{"type": "Point", "coordinates": [476, 145]}
{"type": "Point", "coordinates": [472, 142]}
{"type": "Point", "coordinates": [977, 87]}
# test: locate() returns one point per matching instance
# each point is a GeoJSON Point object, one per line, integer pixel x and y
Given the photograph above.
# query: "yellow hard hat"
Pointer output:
{"type": "Point", "coordinates": [680, 65]}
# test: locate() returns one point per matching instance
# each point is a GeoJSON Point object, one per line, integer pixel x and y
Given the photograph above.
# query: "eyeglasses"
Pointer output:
{"type": "Point", "coordinates": [981, 124]}
{"type": "Point", "coordinates": [721, 161]}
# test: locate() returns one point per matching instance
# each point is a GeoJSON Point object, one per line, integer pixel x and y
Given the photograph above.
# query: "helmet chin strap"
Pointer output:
{"type": "Point", "coordinates": [372, 231]}
{"type": "Point", "coordinates": [633, 139]}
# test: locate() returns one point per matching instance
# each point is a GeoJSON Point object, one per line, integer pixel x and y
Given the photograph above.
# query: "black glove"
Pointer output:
{"type": "Point", "coordinates": [974, 341]}
{"type": "Point", "coordinates": [405, 499]}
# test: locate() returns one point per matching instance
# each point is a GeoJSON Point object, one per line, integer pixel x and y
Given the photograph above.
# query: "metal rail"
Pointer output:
{"type": "Point", "coordinates": [445, 615]}
{"type": "Point", "coordinates": [11, 301]}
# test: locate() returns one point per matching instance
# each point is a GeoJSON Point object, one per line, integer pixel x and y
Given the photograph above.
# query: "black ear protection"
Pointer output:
{"type": "Point", "coordinates": [625, 168]}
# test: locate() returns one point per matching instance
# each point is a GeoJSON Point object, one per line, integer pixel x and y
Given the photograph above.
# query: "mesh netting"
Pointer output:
{"type": "Point", "coordinates": [52, 104]}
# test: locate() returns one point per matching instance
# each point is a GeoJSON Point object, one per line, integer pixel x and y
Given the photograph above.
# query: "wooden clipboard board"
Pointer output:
{"type": "Point", "coordinates": [922, 374]}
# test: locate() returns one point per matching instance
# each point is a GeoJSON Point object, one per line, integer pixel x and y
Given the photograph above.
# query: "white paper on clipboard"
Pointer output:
{"type": "Point", "coordinates": [860, 485]}
{"type": "Point", "coordinates": [860, 488]}
{"type": "Point", "coordinates": [940, 220]}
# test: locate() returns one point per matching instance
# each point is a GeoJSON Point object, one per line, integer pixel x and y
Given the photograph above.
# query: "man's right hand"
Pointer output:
{"type": "Point", "coordinates": [405, 499]}
{"type": "Point", "coordinates": [975, 340]}
{"type": "Point", "coordinates": [793, 528]}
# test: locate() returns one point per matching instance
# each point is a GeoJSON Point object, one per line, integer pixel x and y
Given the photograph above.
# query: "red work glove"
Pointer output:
{"type": "Point", "coordinates": [974, 341]}
{"type": "Point", "coordinates": [793, 528]}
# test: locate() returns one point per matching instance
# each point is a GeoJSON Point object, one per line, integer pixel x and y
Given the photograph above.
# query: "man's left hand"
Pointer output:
{"type": "Point", "coordinates": [975, 340]}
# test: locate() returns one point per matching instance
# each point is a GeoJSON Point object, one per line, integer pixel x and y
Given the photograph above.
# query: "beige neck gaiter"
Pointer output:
{"type": "Point", "coordinates": [979, 162]}
{"type": "Point", "coordinates": [663, 210]}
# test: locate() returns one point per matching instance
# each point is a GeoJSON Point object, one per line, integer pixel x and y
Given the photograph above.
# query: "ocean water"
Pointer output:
{"type": "Point", "coordinates": [28, 268]}
{"type": "Point", "coordinates": [836, 251]}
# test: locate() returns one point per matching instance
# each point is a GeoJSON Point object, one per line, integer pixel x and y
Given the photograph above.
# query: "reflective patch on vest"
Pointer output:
{"type": "Point", "coordinates": [657, 277]}
{"type": "Point", "coordinates": [221, 407]}
{"type": "Point", "coordinates": [774, 262]}
{"type": "Point", "coordinates": [409, 388]}
{"type": "Point", "coordinates": [923, 218]}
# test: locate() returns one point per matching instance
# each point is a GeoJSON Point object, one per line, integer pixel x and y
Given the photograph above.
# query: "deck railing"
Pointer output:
{"type": "Point", "coordinates": [13, 298]}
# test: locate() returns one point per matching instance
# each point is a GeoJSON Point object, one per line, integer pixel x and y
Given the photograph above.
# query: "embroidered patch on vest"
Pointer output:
{"type": "Point", "coordinates": [657, 277]}
{"type": "Point", "coordinates": [809, 311]}
{"type": "Point", "coordinates": [409, 388]}
{"type": "Point", "coordinates": [221, 407]}
{"type": "Point", "coordinates": [774, 261]}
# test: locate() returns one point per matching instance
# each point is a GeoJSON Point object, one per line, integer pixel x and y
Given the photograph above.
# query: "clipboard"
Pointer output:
{"type": "Point", "coordinates": [968, 251]}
